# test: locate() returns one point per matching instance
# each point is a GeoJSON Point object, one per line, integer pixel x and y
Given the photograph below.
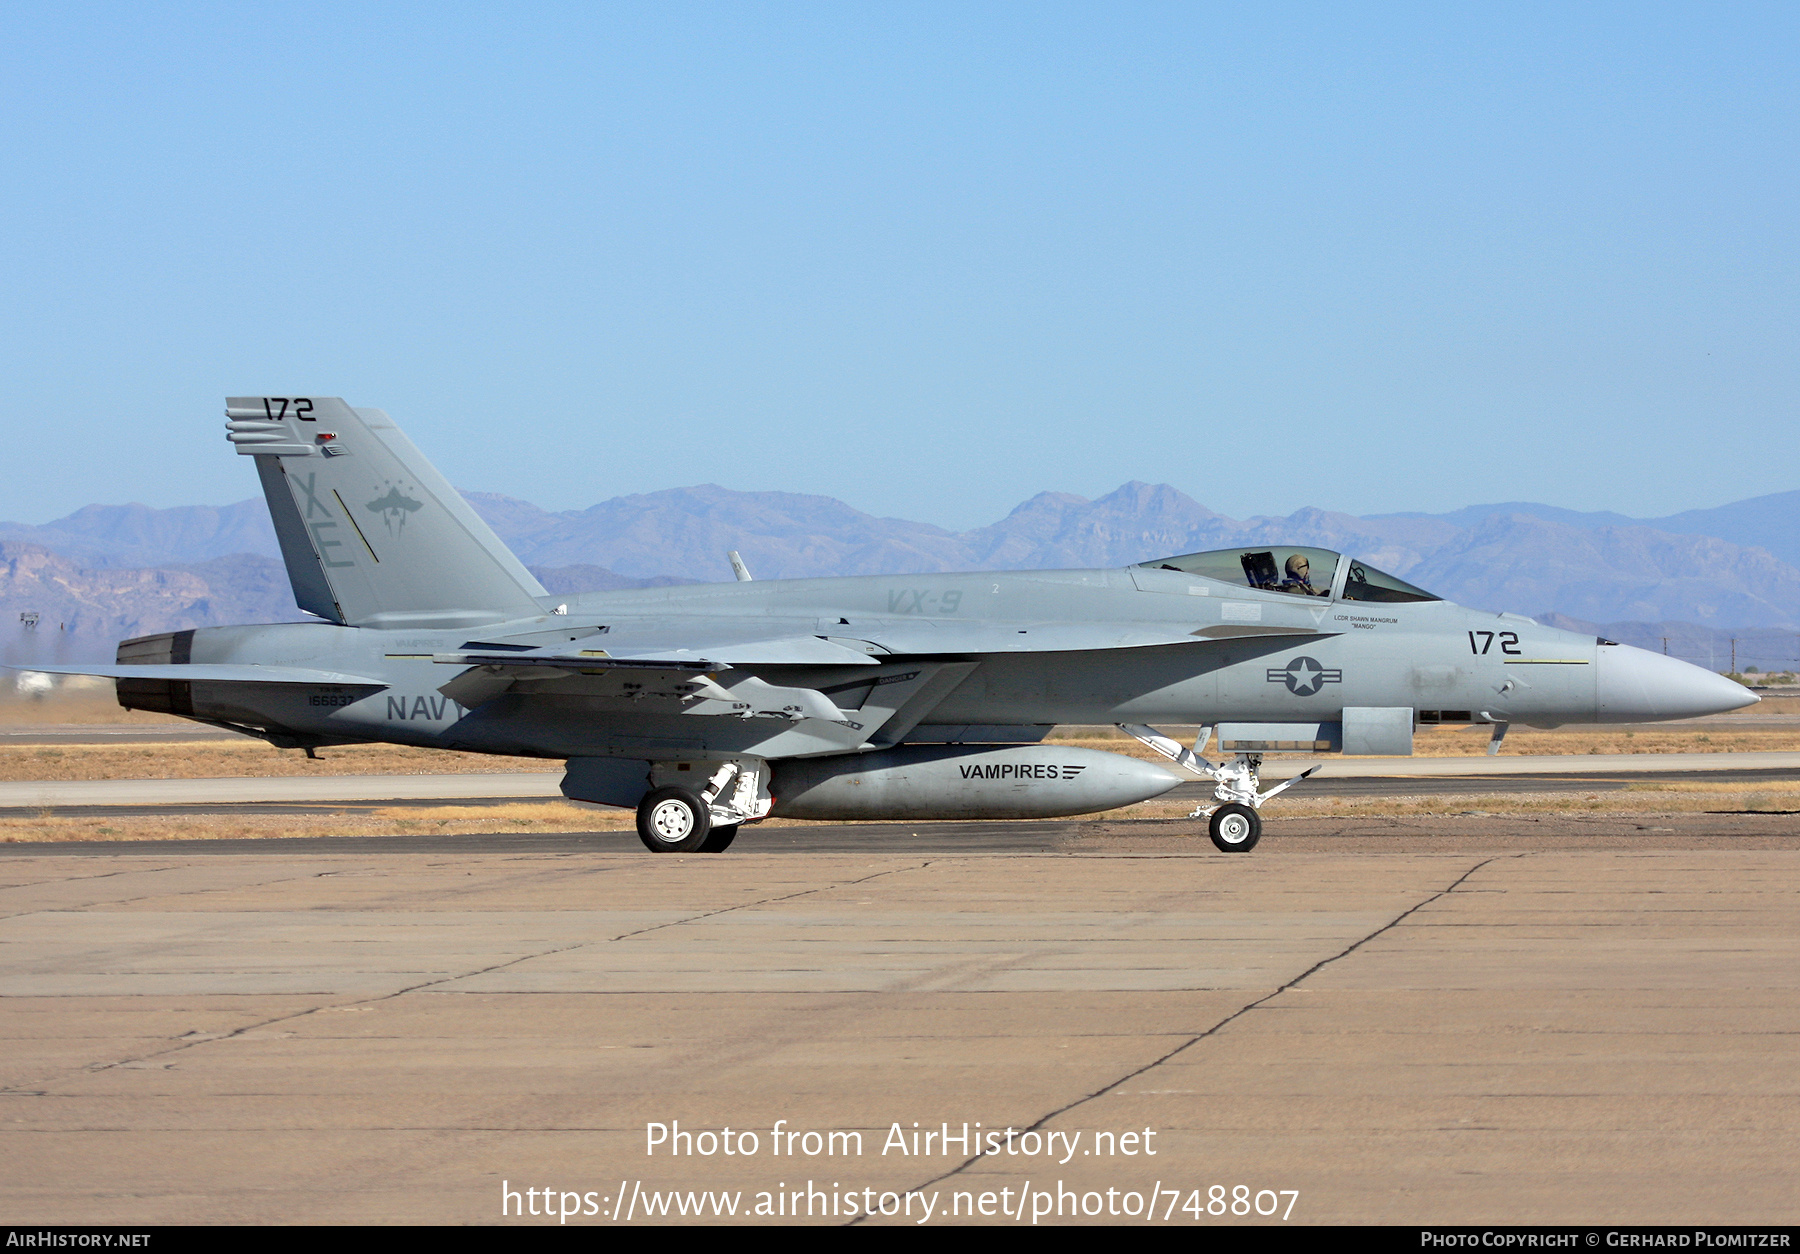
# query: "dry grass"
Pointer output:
{"type": "Point", "coordinates": [1720, 737]}
{"type": "Point", "coordinates": [221, 759]}
{"type": "Point", "coordinates": [447, 820]}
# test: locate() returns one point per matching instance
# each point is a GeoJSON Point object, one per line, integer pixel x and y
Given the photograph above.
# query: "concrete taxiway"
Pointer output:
{"type": "Point", "coordinates": [1444, 1025]}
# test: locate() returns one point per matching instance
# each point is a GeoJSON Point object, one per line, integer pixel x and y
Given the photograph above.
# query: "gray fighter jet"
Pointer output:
{"type": "Point", "coordinates": [880, 697]}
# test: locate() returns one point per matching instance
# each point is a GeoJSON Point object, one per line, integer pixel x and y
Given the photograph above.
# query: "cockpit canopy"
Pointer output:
{"type": "Point", "coordinates": [1295, 571]}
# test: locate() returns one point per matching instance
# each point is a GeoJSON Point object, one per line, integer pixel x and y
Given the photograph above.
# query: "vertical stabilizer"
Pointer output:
{"type": "Point", "coordinates": [371, 533]}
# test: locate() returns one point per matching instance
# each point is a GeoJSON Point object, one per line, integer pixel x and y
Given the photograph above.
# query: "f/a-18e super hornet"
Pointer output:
{"type": "Point", "coordinates": [710, 706]}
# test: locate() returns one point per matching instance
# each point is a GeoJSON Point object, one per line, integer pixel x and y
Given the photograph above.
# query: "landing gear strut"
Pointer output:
{"type": "Point", "coordinates": [1234, 825]}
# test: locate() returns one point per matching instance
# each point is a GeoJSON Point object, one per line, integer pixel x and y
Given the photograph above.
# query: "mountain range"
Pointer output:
{"type": "Point", "coordinates": [116, 570]}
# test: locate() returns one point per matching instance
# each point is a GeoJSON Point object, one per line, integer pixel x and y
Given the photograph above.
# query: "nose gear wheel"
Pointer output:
{"type": "Point", "coordinates": [1235, 828]}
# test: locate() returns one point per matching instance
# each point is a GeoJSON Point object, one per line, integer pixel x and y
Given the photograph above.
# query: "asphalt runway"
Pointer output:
{"type": "Point", "coordinates": [1003, 837]}
{"type": "Point", "coordinates": [1429, 1022]}
{"type": "Point", "coordinates": [1472, 786]}
{"type": "Point", "coordinates": [311, 789]}
{"type": "Point", "coordinates": [363, 792]}
{"type": "Point", "coordinates": [1472, 830]}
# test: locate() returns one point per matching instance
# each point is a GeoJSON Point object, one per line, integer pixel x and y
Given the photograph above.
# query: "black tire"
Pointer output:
{"type": "Point", "coordinates": [720, 839]}
{"type": "Point", "coordinates": [1235, 828]}
{"type": "Point", "coordinates": [673, 820]}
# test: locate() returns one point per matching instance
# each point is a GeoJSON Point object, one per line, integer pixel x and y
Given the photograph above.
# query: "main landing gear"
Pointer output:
{"type": "Point", "coordinates": [1234, 825]}
{"type": "Point", "coordinates": [675, 819]}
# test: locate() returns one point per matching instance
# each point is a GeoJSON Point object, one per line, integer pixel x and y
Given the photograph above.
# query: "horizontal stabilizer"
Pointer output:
{"type": "Point", "coordinates": [211, 673]}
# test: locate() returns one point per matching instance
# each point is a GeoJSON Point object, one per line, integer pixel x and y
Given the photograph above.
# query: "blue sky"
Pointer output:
{"type": "Point", "coordinates": [929, 259]}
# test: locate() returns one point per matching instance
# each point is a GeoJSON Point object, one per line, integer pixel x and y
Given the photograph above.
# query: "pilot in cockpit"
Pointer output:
{"type": "Point", "coordinates": [1299, 578]}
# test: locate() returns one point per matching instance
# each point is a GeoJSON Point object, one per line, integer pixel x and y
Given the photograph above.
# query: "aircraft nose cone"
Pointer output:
{"type": "Point", "coordinates": [1633, 685]}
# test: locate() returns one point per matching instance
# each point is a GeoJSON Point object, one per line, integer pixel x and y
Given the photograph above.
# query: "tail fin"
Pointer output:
{"type": "Point", "coordinates": [371, 533]}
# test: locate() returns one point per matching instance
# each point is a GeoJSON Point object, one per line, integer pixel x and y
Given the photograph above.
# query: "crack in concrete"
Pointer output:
{"type": "Point", "coordinates": [1218, 1027]}
{"type": "Point", "coordinates": [78, 879]}
{"type": "Point", "coordinates": [238, 1033]}
{"type": "Point", "coordinates": [126, 901]}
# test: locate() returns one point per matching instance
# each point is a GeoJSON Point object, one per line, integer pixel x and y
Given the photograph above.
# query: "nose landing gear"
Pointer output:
{"type": "Point", "coordinates": [1234, 825]}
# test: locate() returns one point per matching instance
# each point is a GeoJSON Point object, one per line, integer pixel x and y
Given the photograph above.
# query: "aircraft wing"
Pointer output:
{"type": "Point", "coordinates": [638, 668]}
{"type": "Point", "coordinates": [646, 671]}
{"type": "Point", "coordinates": [689, 657]}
